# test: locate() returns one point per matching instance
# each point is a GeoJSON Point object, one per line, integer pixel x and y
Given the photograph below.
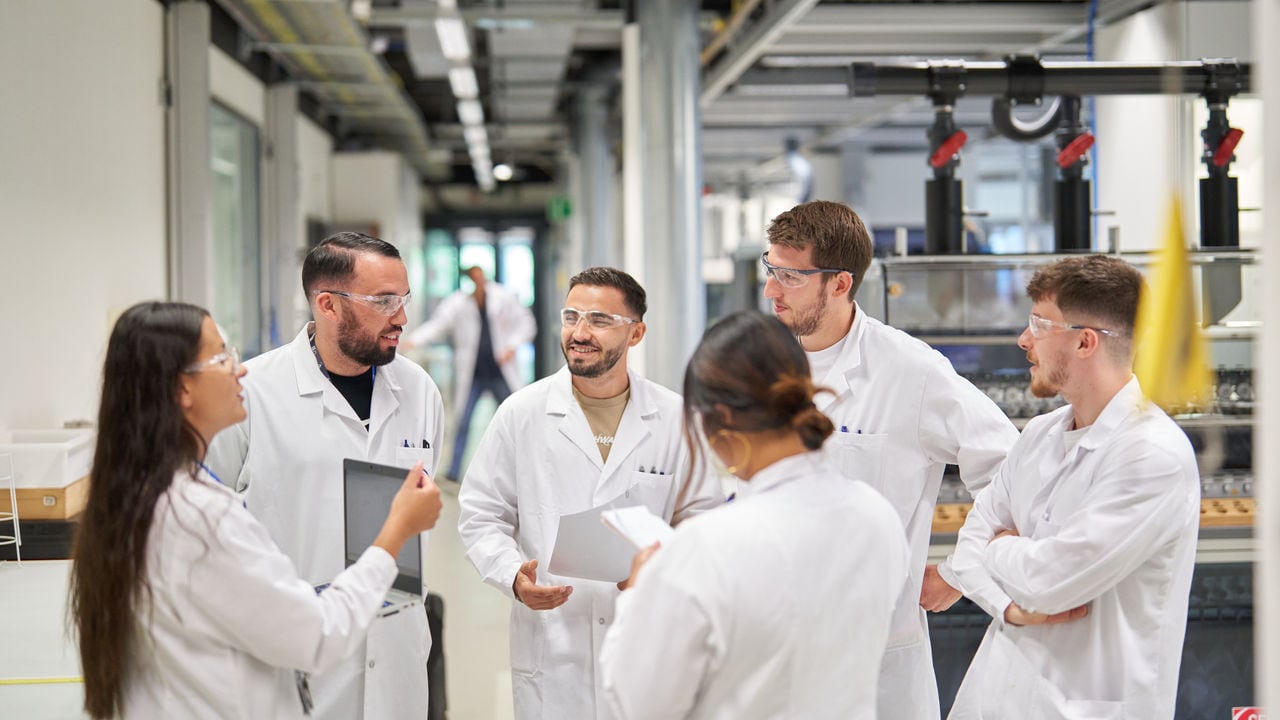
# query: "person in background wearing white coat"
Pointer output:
{"type": "Point", "coordinates": [594, 433]}
{"type": "Point", "coordinates": [1083, 546]}
{"type": "Point", "coordinates": [339, 391]}
{"type": "Point", "coordinates": [183, 607]}
{"type": "Point", "coordinates": [778, 605]}
{"type": "Point", "coordinates": [488, 325]}
{"type": "Point", "coordinates": [902, 415]}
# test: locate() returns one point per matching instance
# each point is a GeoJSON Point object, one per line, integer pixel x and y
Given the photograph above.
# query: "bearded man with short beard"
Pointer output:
{"type": "Point", "coordinates": [594, 434]}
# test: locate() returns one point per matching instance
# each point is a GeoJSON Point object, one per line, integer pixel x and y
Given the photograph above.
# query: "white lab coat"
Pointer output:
{"type": "Point", "coordinates": [902, 414]}
{"type": "Point", "coordinates": [286, 458]}
{"type": "Point", "coordinates": [511, 325]}
{"type": "Point", "coordinates": [538, 460]}
{"type": "Point", "coordinates": [228, 617]}
{"type": "Point", "coordinates": [1111, 523]}
{"type": "Point", "coordinates": [775, 606]}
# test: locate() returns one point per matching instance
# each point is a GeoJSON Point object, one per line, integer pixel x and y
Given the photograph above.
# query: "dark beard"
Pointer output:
{"type": "Point", "coordinates": [804, 326]}
{"type": "Point", "coordinates": [362, 349]}
{"type": "Point", "coordinates": [594, 370]}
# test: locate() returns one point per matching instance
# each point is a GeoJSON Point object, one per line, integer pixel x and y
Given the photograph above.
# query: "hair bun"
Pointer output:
{"type": "Point", "coordinates": [791, 394]}
{"type": "Point", "coordinates": [813, 427]}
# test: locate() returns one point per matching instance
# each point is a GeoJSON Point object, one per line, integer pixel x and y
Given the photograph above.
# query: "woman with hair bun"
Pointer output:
{"type": "Point", "coordinates": [778, 604]}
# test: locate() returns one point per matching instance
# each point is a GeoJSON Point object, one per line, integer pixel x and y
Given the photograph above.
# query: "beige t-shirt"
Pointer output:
{"type": "Point", "coordinates": [603, 416]}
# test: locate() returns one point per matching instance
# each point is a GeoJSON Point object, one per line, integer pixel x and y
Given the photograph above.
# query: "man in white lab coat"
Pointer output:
{"type": "Point", "coordinates": [338, 391]}
{"type": "Point", "coordinates": [592, 434]}
{"type": "Point", "coordinates": [901, 414]}
{"type": "Point", "coordinates": [1083, 546]}
{"type": "Point", "coordinates": [488, 325]}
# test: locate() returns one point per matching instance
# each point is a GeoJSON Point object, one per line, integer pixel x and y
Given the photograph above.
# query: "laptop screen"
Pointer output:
{"type": "Point", "coordinates": [368, 489]}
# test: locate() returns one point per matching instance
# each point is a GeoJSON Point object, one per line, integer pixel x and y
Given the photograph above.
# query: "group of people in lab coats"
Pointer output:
{"type": "Point", "coordinates": [803, 594]}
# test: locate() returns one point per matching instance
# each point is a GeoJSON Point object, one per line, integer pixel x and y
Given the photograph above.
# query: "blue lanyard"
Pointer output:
{"type": "Point", "coordinates": [324, 370]}
{"type": "Point", "coordinates": [211, 473]}
{"type": "Point", "coordinates": [214, 475]}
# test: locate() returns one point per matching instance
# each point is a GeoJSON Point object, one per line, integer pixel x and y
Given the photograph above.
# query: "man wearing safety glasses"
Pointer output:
{"type": "Point", "coordinates": [1083, 546]}
{"type": "Point", "coordinates": [901, 413]}
{"type": "Point", "coordinates": [339, 390]}
{"type": "Point", "coordinates": [596, 433]}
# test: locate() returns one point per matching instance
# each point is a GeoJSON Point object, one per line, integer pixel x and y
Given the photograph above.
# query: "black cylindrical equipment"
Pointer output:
{"type": "Point", "coordinates": [944, 211]}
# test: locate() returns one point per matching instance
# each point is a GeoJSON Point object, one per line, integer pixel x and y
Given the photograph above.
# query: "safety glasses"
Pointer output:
{"type": "Point", "coordinates": [382, 304]}
{"type": "Point", "coordinates": [791, 277]}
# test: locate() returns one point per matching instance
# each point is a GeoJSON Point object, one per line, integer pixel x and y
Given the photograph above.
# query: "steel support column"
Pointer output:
{"type": "Point", "coordinates": [187, 124]}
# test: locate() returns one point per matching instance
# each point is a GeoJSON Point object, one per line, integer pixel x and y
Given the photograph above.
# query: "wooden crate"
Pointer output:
{"type": "Point", "coordinates": [1214, 512]}
{"type": "Point", "coordinates": [53, 503]}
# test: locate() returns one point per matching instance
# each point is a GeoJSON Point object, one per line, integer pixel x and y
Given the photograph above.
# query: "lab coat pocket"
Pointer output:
{"type": "Point", "coordinates": [528, 640]}
{"type": "Point", "coordinates": [861, 457]}
{"type": "Point", "coordinates": [1010, 681]}
{"type": "Point", "coordinates": [651, 490]}
{"type": "Point", "coordinates": [406, 457]}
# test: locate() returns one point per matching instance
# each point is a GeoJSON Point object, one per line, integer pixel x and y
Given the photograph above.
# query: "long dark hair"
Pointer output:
{"type": "Point", "coordinates": [751, 364]}
{"type": "Point", "coordinates": [143, 439]}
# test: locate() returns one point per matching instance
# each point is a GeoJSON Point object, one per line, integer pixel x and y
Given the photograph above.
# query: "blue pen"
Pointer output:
{"type": "Point", "coordinates": [844, 428]}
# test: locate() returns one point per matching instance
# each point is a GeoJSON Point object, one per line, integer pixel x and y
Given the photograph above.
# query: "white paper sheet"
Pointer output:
{"type": "Point", "coordinates": [638, 525]}
{"type": "Point", "coordinates": [586, 549]}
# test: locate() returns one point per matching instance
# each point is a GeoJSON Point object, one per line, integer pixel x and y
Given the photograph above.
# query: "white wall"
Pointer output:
{"type": "Point", "coordinates": [1149, 146]}
{"type": "Point", "coordinates": [893, 189]}
{"type": "Point", "coordinates": [82, 194]}
{"type": "Point", "coordinates": [379, 187]}
{"type": "Point", "coordinates": [237, 88]}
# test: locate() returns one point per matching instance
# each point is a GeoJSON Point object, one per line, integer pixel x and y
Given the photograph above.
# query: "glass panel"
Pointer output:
{"type": "Point", "coordinates": [237, 270]}
{"type": "Point", "coordinates": [475, 248]}
{"type": "Point", "coordinates": [516, 246]}
{"type": "Point", "coordinates": [442, 264]}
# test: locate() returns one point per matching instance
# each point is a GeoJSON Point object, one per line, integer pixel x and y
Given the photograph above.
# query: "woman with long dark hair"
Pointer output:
{"type": "Point", "coordinates": [182, 604]}
{"type": "Point", "coordinates": [778, 604]}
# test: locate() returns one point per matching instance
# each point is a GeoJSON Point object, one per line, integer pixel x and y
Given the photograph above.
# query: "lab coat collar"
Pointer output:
{"type": "Point", "coordinates": [850, 359]}
{"type": "Point", "coordinates": [573, 423]}
{"type": "Point", "coordinates": [313, 382]}
{"type": "Point", "coordinates": [1126, 403]}
{"type": "Point", "coordinates": [806, 464]}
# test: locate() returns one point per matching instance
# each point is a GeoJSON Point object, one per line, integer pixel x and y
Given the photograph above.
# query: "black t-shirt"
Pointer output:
{"type": "Point", "coordinates": [486, 364]}
{"type": "Point", "coordinates": [358, 390]}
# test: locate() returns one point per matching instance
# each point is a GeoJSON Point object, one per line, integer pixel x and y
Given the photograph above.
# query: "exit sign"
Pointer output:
{"type": "Point", "coordinates": [559, 209]}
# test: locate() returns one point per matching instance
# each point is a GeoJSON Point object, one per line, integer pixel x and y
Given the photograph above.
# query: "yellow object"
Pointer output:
{"type": "Point", "coordinates": [1171, 356]}
{"type": "Point", "coordinates": [40, 681]}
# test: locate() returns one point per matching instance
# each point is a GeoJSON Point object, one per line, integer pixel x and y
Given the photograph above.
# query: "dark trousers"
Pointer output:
{"type": "Point", "coordinates": [438, 702]}
{"type": "Point", "coordinates": [496, 386]}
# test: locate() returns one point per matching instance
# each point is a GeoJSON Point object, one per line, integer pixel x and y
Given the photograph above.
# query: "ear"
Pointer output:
{"type": "Point", "coordinates": [839, 287]}
{"type": "Point", "coordinates": [1090, 343]}
{"type": "Point", "coordinates": [185, 399]}
{"type": "Point", "coordinates": [637, 334]}
{"type": "Point", "coordinates": [326, 306]}
{"type": "Point", "coordinates": [724, 414]}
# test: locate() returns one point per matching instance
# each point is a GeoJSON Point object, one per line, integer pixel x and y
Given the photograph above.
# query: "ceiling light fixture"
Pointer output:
{"type": "Point", "coordinates": [503, 172]}
{"type": "Point", "coordinates": [463, 82]}
{"type": "Point", "coordinates": [470, 112]}
{"type": "Point", "coordinates": [453, 38]}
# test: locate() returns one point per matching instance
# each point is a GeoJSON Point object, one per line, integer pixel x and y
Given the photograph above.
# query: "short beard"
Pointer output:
{"type": "Point", "coordinates": [803, 325]}
{"type": "Point", "coordinates": [608, 358]}
{"type": "Point", "coordinates": [1051, 386]}
{"type": "Point", "coordinates": [360, 348]}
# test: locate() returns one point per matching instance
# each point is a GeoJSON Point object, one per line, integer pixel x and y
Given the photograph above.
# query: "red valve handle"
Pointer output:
{"type": "Point", "coordinates": [948, 149]}
{"type": "Point", "coordinates": [1227, 148]}
{"type": "Point", "coordinates": [1074, 150]}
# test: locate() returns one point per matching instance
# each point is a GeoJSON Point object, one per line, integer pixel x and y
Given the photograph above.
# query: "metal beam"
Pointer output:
{"type": "Point", "coordinates": [754, 44]}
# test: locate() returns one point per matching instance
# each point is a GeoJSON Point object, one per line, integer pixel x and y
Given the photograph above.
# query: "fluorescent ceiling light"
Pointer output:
{"type": "Point", "coordinates": [361, 10]}
{"type": "Point", "coordinates": [470, 112]}
{"type": "Point", "coordinates": [475, 134]}
{"type": "Point", "coordinates": [453, 38]}
{"type": "Point", "coordinates": [447, 4]}
{"type": "Point", "coordinates": [463, 82]}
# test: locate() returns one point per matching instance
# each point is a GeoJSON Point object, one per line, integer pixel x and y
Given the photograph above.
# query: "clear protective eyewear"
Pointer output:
{"type": "Point", "coordinates": [382, 304]}
{"type": "Point", "coordinates": [228, 360]}
{"type": "Point", "coordinates": [1041, 327]}
{"type": "Point", "coordinates": [791, 277]}
{"type": "Point", "coordinates": [596, 319]}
